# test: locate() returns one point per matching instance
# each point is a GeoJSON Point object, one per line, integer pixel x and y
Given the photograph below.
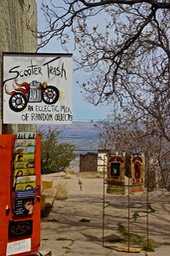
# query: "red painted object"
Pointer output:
{"type": "Point", "coordinates": [19, 235]}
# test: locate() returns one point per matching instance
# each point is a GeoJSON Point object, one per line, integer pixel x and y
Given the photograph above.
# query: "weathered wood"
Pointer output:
{"type": "Point", "coordinates": [126, 249]}
{"type": "Point", "coordinates": [16, 18]}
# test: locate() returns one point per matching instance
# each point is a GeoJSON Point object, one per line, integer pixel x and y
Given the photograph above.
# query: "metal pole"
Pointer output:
{"type": "Point", "coordinates": [128, 214]}
{"type": "Point", "coordinates": [104, 203]}
{"type": "Point", "coordinates": [147, 208]}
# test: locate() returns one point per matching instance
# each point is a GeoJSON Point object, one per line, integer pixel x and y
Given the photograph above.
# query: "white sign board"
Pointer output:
{"type": "Point", "coordinates": [37, 88]}
{"type": "Point", "coordinates": [18, 247]}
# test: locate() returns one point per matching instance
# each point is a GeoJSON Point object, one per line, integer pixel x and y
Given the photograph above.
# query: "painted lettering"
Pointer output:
{"type": "Point", "coordinates": [46, 108]}
{"type": "Point", "coordinates": [41, 117]}
{"type": "Point", "coordinates": [13, 71]}
{"type": "Point", "coordinates": [65, 109]}
{"type": "Point", "coordinates": [32, 69]}
{"type": "Point", "coordinates": [63, 117]}
{"type": "Point", "coordinates": [30, 108]}
{"type": "Point", "coordinates": [56, 71]}
{"type": "Point", "coordinates": [24, 117]}
{"type": "Point", "coordinates": [20, 228]}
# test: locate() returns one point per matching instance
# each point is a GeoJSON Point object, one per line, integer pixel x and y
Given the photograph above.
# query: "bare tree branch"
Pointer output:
{"type": "Point", "coordinates": [123, 45]}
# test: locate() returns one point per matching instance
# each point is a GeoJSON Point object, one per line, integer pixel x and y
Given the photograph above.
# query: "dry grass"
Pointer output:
{"type": "Point", "coordinates": [62, 191]}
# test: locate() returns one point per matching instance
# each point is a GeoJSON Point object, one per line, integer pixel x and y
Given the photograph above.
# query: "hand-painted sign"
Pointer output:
{"type": "Point", "coordinates": [37, 88]}
{"type": "Point", "coordinates": [18, 246]}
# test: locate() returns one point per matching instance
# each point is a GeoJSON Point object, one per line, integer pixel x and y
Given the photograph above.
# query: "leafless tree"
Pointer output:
{"type": "Point", "coordinates": [130, 136]}
{"type": "Point", "coordinates": [124, 45]}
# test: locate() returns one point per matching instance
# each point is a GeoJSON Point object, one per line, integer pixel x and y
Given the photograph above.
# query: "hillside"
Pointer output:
{"type": "Point", "coordinates": [84, 135]}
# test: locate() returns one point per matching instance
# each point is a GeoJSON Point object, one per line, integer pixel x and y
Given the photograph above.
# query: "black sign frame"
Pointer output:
{"type": "Point", "coordinates": [20, 228]}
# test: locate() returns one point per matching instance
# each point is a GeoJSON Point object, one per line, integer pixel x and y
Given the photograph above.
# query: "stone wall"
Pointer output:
{"type": "Point", "coordinates": [17, 23]}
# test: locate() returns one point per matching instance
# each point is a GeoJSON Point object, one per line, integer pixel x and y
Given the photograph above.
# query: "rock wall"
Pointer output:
{"type": "Point", "coordinates": [17, 23]}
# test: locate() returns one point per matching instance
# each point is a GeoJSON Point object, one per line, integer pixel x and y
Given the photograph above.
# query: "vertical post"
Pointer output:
{"type": "Point", "coordinates": [16, 37]}
{"type": "Point", "coordinates": [104, 201]}
{"type": "Point", "coordinates": [103, 216]}
{"type": "Point", "coordinates": [147, 207]}
{"type": "Point", "coordinates": [4, 129]}
{"type": "Point", "coordinates": [129, 214]}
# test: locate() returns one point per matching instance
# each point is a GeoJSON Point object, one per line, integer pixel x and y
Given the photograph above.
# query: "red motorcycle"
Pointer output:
{"type": "Point", "coordinates": [33, 92]}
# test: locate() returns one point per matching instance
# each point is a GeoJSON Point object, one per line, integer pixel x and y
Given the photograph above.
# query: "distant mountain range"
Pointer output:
{"type": "Point", "coordinates": [84, 135]}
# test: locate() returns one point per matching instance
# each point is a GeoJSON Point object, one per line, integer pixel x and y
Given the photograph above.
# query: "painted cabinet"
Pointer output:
{"type": "Point", "coordinates": [126, 174]}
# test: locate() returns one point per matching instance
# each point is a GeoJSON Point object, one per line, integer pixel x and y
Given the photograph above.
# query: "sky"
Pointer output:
{"type": "Point", "coordinates": [82, 110]}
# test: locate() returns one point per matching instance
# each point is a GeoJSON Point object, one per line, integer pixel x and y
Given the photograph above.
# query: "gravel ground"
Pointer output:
{"type": "Point", "coordinates": [86, 223]}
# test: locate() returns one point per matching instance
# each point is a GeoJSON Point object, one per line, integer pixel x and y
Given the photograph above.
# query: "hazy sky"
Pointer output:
{"type": "Point", "coordinates": [82, 110]}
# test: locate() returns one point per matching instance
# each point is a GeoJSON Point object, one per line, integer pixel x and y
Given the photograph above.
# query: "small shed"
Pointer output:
{"type": "Point", "coordinates": [88, 162]}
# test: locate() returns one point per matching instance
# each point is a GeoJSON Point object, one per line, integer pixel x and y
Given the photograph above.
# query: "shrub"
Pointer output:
{"type": "Point", "coordinates": [55, 156]}
{"type": "Point", "coordinates": [62, 191]}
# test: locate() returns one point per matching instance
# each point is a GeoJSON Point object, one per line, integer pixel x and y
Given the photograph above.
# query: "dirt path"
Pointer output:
{"type": "Point", "coordinates": [75, 226]}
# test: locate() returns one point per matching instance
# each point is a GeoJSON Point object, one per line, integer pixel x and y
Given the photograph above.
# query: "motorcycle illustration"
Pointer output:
{"type": "Point", "coordinates": [32, 92]}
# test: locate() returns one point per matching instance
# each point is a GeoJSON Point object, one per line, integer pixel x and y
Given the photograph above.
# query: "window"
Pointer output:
{"type": "Point", "coordinates": [115, 169]}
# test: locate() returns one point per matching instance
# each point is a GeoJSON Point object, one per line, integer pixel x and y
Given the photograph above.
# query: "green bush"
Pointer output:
{"type": "Point", "coordinates": [55, 156]}
{"type": "Point", "coordinates": [146, 244]}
